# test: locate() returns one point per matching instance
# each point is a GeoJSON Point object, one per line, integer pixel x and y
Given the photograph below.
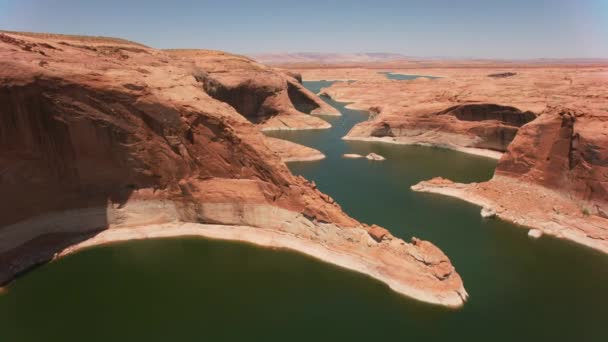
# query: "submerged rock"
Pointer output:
{"type": "Point", "coordinates": [352, 155]}
{"type": "Point", "coordinates": [374, 156]}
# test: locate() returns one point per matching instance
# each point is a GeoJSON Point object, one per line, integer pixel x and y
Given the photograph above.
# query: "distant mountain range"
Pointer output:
{"type": "Point", "coordinates": [328, 58]}
{"type": "Point", "coordinates": [384, 57]}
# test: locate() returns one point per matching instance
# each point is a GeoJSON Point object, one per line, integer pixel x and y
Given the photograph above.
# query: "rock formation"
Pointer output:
{"type": "Point", "coordinates": [477, 127]}
{"type": "Point", "coordinates": [502, 74]}
{"type": "Point", "coordinates": [553, 177]}
{"type": "Point", "coordinates": [565, 150]}
{"type": "Point", "coordinates": [550, 122]}
{"type": "Point", "coordinates": [105, 140]}
{"type": "Point", "coordinates": [378, 233]}
{"type": "Point", "coordinates": [374, 156]}
{"type": "Point", "coordinates": [274, 100]}
{"type": "Point", "coordinates": [290, 152]}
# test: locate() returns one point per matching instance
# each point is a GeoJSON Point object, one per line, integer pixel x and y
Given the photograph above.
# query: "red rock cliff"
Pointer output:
{"type": "Point", "coordinates": [85, 123]}
{"type": "Point", "coordinates": [565, 150]}
{"type": "Point", "coordinates": [100, 134]}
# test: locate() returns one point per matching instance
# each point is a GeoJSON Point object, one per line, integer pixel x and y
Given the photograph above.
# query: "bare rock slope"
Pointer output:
{"type": "Point", "coordinates": [105, 140]}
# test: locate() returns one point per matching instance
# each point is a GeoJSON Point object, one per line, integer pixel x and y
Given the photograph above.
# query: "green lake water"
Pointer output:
{"type": "Point", "coordinates": [187, 289]}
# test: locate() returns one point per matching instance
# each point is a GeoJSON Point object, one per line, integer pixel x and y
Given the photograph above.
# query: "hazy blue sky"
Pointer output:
{"type": "Point", "coordinates": [476, 28]}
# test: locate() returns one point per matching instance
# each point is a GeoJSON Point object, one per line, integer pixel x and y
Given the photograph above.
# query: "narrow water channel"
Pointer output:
{"type": "Point", "coordinates": [187, 289]}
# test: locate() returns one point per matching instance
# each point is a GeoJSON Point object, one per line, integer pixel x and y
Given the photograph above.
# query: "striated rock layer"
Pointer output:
{"type": "Point", "coordinates": [105, 140]}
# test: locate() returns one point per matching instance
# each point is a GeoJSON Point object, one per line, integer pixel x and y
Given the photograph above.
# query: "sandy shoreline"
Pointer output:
{"type": "Point", "coordinates": [267, 238]}
{"type": "Point", "coordinates": [567, 228]}
{"type": "Point", "coordinates": [469, 150]}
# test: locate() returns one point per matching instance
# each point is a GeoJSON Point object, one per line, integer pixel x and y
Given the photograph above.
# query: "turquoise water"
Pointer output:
{"type": "Point", "coordinates": [187, 289]}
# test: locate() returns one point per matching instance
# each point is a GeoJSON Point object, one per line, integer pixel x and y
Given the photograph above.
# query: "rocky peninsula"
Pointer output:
{"type": "Point", "coordinates": [109, 140]}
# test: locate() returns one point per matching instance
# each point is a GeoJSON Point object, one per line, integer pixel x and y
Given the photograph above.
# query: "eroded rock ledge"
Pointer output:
{"type": "Point", "coordinates": [553, 178]}
{"type": "Point", "coordinates": [478, 128]}
{"type": "Point", "coordinates": [290, 152]}
{"type": "Point", "coordinates": [104, 140]}
{"type": "Point", "coordinates": [465, 110]}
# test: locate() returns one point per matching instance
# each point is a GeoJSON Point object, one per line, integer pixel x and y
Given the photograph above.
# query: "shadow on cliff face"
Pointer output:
{"type": "Point", "coordinates": [258, 99]}
{"type": "Point", "coordinates": [54, 157]}
{"type": "Point", "coordinates": [507, 121]}
{"type": "Point", "coordinates": [495, 125]}
{"type": "Point", "coordinates": [300, 101]}
{"type": "Point", "coordinates": [246, 97]}
{"type": "Point", "coordinates": [70, 151]}
{"type": "Point", "coordinates": [67, 153]}
{"type": "Point", "coordinates": [489, 111]}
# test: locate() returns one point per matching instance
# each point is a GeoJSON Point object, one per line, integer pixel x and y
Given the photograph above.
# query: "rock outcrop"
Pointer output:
{"type": "Point", "coordinates": [375, 156]}
{"type": "Point", "coordinates": [267, 97]}
{"type": "Point", "coordinates": [352, 156]}
{"type": "Point", "coordinates": [553, 178]}
{"type": "Point", "coordinates": [565, 150]}
{"type": "Point", "coordinates": [104, 140]}
{"type": "Point", "coordinates": [467, 126]}
{"type": "Point", "coordinates": [465, 110]}
{"type": "Point", "coordinates": [378, 233]}
{"type": "Point", "coordinates": [551, 124]}
{"type": "Point", "coordinates": [291, 152]}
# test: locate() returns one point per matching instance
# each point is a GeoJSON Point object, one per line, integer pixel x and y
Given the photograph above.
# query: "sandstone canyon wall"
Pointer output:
{"type": "Point", "coordinates": [565, 149]}
{"type": "Point", "coordinates": [103, 135]}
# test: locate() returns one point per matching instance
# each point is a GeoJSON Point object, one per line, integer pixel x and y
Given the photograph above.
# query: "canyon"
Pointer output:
{"type": "Point", "coordinates": [546, 124]}
{"type": "Point", "coordinates": [161, 181]}
{"type": "Point", "coordinates": [107, 140]}
{"type": "Point", "coordinates": [119, 141]}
